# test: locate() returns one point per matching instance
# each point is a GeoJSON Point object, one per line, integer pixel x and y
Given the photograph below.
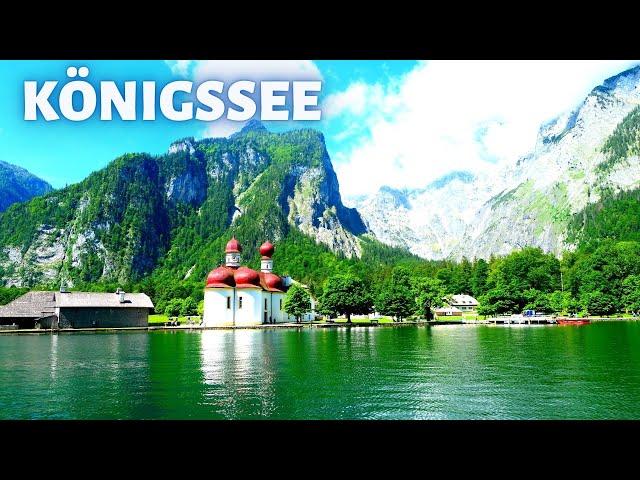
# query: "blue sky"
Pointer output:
{"type": "Point", "coordinates": [64, 152]}
{"type": "Point", "coordinates": [397, 123]}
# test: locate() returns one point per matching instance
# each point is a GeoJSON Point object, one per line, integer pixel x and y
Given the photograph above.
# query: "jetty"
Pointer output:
{"type": "Point", "coordinates": [519, 320]}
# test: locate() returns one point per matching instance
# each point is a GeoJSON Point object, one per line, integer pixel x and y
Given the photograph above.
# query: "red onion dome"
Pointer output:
{"type": "Point", "coordinates": [266, 249]}
{"type": "Point", "coordinates": [245, 276]}
{"type": "Point", "coordinates": [273, 281]}
{"type": "Point", "coordinates": [221, 277]}
{"type": "Point", "coordinates": [233, 246]}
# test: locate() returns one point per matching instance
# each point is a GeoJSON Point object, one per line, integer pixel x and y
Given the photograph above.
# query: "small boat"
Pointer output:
{"type": "Point", "coordinates": [572, 321]}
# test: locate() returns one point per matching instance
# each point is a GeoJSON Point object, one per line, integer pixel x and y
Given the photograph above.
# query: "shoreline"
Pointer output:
{"type": "Point", "coordinates": [152, 328]}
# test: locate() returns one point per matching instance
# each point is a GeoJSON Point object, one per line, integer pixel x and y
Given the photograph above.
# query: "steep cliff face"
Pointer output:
{"type": "Point", "coordinates": [311, 199]}
{"type": "Point", "coordinates": [18, 185]}
{"type": "Point", "coordinates": [542, 191]}
{"type": "Point", "coordinates": [429, 222]}
{"type": "Point", "coordinates": [531, 202]}
{"type": "Point", "coordinates": [121, 222]}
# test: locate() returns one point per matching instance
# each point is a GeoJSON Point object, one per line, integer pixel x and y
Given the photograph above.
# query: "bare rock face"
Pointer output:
{"type": "Point", "coordinates": [43, 259]}
{"type": "Point", "coordinates": [528, 203]}
{"type": "Point", "coordinates": [314, 210]}
{"type": "Point", "coordinates": [187, 187]}
{"type": "Point", "coordinates": [185, 145]}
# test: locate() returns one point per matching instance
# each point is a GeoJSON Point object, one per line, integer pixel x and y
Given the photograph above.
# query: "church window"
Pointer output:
{"type": "Point", "coordinates": [228, 303]}
{"type": "Point", "coordinates": [280, 304]}
{"type": "Point", "coordinates": [265, 303]}
{"type": "Point", "coordinates": [239, 302]}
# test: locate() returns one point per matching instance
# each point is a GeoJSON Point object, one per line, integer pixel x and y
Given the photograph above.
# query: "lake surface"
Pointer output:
{"type": "Point", "coordinates": [444, 372]}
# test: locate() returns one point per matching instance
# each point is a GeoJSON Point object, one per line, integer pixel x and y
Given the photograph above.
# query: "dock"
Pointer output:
{"type": "Point", "coordinates": [520, 320]}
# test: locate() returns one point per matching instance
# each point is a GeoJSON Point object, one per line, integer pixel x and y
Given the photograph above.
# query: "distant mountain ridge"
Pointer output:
{"type": "Point", "coordinates": [18, 185]}
{"type": "Point", "coordinates": [578, 157]}
{"type": "Point", "coordinates": [175, 211]}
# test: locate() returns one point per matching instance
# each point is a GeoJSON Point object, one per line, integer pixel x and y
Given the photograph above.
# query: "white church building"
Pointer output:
{"type": "Point", "coordinates": [236, 295]}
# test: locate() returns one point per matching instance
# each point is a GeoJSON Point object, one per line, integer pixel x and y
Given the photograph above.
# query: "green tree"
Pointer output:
{"type": "Point", "coordinates": [604, 270]}
{"type": "Point", "coordinates": [346, 295]}
{"type": "Point", "coordinates": [536, 300]}
{"type": "Point", "coordinates": [10, 294]}
{"type": "Point", "coordinates": [201, 307]}
{"type": "Point", "coordinates": [498, 300]}
{"type": "Point", "coordinates": [560, 302]}
{"type": "Point", "coordinates": [396, 301]}
{"type": "Point", "coordinates": [188, 307]}
{"type": "Point", "coordinates": [598, 303]}
{"type": "Point", "coordinates": [173, 307]}
{"type": "Point", "coordinates": [519, 280]}
{"type": "Point", "coordinates": [479, 276]}
{"type": "Point", "coordinates": [297, 302]}
{"type": "Point", "coordinates": [631, 295]}
{"type": "Point", "coordinates": [429, 294]}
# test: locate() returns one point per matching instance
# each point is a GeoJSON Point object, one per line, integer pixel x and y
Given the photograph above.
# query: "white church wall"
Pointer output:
{"type": "Point", "coordinates": [216, 313]}
{"type": "Point", "coordinates": [279, 314]}
{"type": "Point", "coordinates": [251, 311]}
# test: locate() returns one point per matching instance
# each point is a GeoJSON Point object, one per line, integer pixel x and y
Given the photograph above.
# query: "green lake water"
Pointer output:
{"type": "Point", "coordinates": [444, 372]}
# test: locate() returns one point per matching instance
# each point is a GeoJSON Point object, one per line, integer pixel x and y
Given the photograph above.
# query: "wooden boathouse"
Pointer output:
{"type": "Point", "coordinates": [64, 309]}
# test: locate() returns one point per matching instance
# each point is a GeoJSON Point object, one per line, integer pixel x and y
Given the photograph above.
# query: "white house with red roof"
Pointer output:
{"type": "Point", "coordinates": [236, 295]}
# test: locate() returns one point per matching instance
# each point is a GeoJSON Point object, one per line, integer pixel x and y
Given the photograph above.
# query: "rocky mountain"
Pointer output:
{"type": "Point", "coordinates": [577, 158]}
{"type": "Point", "coordinates": [176, 210]}
{"type": "Point", "coordinates": [18, 185]}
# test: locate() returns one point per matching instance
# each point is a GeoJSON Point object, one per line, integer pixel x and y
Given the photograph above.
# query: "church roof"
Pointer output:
{"type": "Point", "coordinates": [233, 246]}
{"type": "Point", "coordinates": [243, 277]}
{"type": "Point", "coordinates": [232, 276]}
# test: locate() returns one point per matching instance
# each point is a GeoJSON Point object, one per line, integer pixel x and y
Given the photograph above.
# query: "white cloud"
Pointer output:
{"type": "Point", "coordinates": [453, 115]}
{"type": "Point", "coordinates": [257, 70]}
{"type": "Point", "coordinates": [232, 70]}
{"type": "Point", "coordinates": [180, 67]}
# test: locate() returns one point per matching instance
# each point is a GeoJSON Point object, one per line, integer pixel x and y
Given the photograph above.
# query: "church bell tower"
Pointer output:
{"type": "Point", "coordinates": [266, 252]}
{"type": "Point", "coordinates": [233, 252]}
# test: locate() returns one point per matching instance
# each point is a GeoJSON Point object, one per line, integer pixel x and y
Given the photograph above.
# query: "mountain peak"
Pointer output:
{"type": "Point", "coordinates": [630, 76]}
{"type": "Point", "coordinates": [612, 82]}
{"type": "Point", "coordinates": [253, 126]}
{"type": "Point", "coordinates": [18, 185]}
{"type": "Point", "coordinates": [461, 175]}
{"type": "Point", "coordinates": [398, 197]}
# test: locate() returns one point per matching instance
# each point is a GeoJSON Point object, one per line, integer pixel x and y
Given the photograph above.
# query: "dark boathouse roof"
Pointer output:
{"type": "Point", "coordinates": [102, 300]}
{"type": "Point", "coordinates": [43, 304]}
{"type": "Point", "coordinates": [31, 305]}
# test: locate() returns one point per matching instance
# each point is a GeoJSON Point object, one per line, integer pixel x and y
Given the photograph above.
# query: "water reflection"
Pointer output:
{"type": "Point", "coordinates": [238, 370]}
{"type": "Point", "coordinates": [54, 357]}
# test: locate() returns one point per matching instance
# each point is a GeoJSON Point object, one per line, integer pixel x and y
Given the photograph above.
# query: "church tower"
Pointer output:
{"type": "Point", "coordinates": [232, 253]}
{"type": "Point", "coordinates": [266, 252]}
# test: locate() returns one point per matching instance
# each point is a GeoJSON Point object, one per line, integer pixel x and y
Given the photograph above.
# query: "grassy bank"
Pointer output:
{"type": "Point", "coordinates": [162, 319]}
{"type": "Point", "coordinates": [363, 320]}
